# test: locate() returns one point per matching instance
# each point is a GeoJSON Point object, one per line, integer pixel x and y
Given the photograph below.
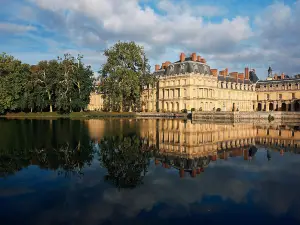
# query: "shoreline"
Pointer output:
{"type": "Point", "coordinates": [91, 115]}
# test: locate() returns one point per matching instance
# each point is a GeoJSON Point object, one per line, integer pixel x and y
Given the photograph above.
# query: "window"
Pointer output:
{"type": "Point", "coordinates": [293, 95]}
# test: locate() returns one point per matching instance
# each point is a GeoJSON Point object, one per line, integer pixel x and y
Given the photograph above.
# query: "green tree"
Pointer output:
{"type": "Point", "coordinates": [45, 80]}
{"type": "Point", "coordinates": [29, 97]}
{"type": "Point", "coordinates": [74, 85]}
{"type": "Point", "coordinates": [124, 76]}
{"type": "Point", "coordinates": [13, 79]}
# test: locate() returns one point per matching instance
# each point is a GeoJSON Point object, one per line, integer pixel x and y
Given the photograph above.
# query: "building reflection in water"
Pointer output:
{"type": "Point", "coordinates": [190, 147]}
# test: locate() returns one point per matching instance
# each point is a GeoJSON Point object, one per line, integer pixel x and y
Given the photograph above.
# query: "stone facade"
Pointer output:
{"type": "Point", "coordinates": [96, 102]}
{"type": "Point", "coordinates": [190, 84]}
{"type": "Point", "coordinates": [278, 94]}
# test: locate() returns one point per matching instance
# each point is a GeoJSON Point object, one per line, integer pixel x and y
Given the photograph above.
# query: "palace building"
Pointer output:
{"type": "Point", "coordinates": [190, 84]}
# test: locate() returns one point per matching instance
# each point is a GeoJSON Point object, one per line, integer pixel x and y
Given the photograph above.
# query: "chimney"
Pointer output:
{"type": "Point", "coordinates": [245, 154]}
{"type": "Point", "coordinates": [226, 72]}
{"type": "Point", "coordinates": [194, 57]}
{"type": "Point", "coordinates": [157, 67]}
{"type": "Point", "coordinates": [214, 72]}
{"type": "Point", "coordinates": [167, 63]}
{"type": "Point", "coordinates": [198, 58]}
{"type": "Point", "coordinates": [247, 73]}
{"type": "Point", "coordinates": [194, 173]}
{"type": "Point", "coordinates": [241, 76]}
{"type": "Point", "coordinates": [282, 76]}
{"type": "Point", "coordinates": [182, 57]}
{"type": "Point", "coordinates": [234, 75]}
{"type": "Point", "coordinates": [202, 60]}
{"type": "Point", "coordinates": [181, 173]}
{"type": "Point", "coordinates": [222, 73]}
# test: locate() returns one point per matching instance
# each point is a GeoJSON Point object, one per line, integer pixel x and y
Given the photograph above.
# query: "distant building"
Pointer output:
{"type": "Point", "coordinates": [278, 93]}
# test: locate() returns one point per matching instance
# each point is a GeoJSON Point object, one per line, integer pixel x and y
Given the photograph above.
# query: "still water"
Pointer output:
{"type": "Point", "coordinates": [128, 171]}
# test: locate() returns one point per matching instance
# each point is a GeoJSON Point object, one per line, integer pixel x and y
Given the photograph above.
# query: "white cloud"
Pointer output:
{"type": "Point", "coordinates": [15, 28]}
{"type": "Point", "coordinates": [232, 42]}
{"type": "Point", "coordinates": [120, 20]}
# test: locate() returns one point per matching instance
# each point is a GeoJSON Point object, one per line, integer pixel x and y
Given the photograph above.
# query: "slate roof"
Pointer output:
{"type": "Point", "coordinates": [232, 79]}
{"type": "Point", "coordinates": [188, 66]}
{"type": "Point", "coordinates": [266, 82]}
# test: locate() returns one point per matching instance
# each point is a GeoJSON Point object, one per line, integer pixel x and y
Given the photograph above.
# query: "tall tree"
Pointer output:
{"type": "Point", "coordinates": [124, 76]}
{"type": "Point", "coordinates": [75, 84]}
{"type": "Point", "coordinates": [13, 78]}
{"type": "Point", "coordinates": [46, 78]}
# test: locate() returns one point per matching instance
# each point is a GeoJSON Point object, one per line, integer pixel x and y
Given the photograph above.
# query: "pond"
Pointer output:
{"type": "Point", "coordinates": [148, 171]}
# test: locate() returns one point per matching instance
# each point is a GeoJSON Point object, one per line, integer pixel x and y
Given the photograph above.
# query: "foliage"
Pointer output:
{"type": "Point", "coordinates": [13, 77]}
{"type": "Point", "coordinates": [124, 77]}
{"type": "Point", "coordinates": [193, 109]}
{"type": "Point", "coordinates": [184, 110]}
{"type": "Point", "coordinates": [270, 118]}
{"type": "Point", "coordinates": [62, 84]}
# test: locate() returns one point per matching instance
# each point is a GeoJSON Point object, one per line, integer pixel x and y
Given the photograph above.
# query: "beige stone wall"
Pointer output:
{"type": "Point", "coordinates": [206, 93]}
{"type": "Point", "coordinates": [200, 91]}
{"type": "Point", "coordinates": [278, 96]}
{"type": "Point", "coordinates": [96, 102]}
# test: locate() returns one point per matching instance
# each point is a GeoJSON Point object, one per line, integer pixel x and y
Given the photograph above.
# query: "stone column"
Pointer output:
{"type": "Point", "coordinates": [267, 106]}
{"type": "Point", "coordinates": [279, 106]}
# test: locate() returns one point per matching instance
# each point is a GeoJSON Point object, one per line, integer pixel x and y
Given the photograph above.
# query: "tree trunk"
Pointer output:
{"type": "Point", "coordinates": [79, 90]}
{"type": "Point", "coordinates": [70, 105]}
{"type": "Point", "coordinates": [130, 108]}
{"type": "Point", "coordinates": [49, 97]}
{"type": "Point", "coordinates": [31, 109]}
{"type": "Point", "coordinates": [121, 106]}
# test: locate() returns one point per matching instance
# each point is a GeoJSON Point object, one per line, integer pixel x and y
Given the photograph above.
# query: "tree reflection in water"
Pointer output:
{"type": "Point", "coordinates": [61, 145]}
{"type": "Point", "coordinates": [66, 160]}
{"type": "Point", "coordinates": [126, 160]}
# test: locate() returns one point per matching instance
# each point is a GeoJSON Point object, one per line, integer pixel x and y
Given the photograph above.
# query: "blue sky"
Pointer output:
{"type": "Point", "coordinates": [228, 33]}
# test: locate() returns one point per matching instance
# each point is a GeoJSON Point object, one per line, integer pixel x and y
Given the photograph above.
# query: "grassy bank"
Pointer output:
{"type": "Point", "coordinates": [73, 115]}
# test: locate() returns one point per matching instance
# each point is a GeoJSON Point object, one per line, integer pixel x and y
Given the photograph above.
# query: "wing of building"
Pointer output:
{"type": "Point", "coordinates": [191, 84]}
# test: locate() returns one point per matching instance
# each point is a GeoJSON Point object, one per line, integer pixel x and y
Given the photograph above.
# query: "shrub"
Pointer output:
{"type": "Point", "coordinates": [184, 110]}
{"type": "Point", "coordinates": [271, 118]}
{"type": "Point", "coordinates": [193, 109]}
{"type": "Point", "coordinates": [218, 109]}
{"type": "Point", "coordinates": [200, 109]}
